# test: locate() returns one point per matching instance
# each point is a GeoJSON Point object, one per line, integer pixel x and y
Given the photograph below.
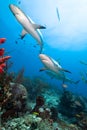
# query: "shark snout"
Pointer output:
{"type": "Point", "coordinates": [44, 57]}
{"type": "Point", "coordinates": [41, 56]}
{"type": "Point", "coordinates": [46, 61]}
{"type": "Point", "coordinates": [13, 8]}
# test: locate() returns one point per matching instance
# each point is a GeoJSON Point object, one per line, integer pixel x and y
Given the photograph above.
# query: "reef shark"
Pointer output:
{"type": "Point", "coordinates": [54, 69]}
{"type": "Point", "coordinates": [28, 26]}
{"type": "Point", "coordinates": [50, 64]}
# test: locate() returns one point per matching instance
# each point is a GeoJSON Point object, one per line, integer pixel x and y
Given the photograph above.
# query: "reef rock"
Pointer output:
{"type": "Point", "coordinates": [18, 91]}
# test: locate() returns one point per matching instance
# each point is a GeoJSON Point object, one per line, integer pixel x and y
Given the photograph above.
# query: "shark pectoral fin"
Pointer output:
{"type": "Point", "coordinates": [43, 69]}
{"type": "Point", "coordinates": [23, 33]}
{"type": "Point", "coordinates": [37, 26]}
{"type": "Point", "coordinates": [65, 70]}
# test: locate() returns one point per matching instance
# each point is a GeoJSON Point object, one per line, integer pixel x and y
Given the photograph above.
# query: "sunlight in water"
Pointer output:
{"type": "Point", "coordinates": [69, 29]}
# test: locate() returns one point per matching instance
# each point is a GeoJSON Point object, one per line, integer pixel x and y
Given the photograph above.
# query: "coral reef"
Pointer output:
{"type": "Point", "coordinates": [40, 108]}
{"type": "Point", "coordinates": [35, 87]}
{"type": "Point", "coordinates": [44, 116]}
{"type": "Point", "coordinates": [13, 96]}
{"type": "Point", "coordinates": [69, 105]}
{"type": "Point", "coordinates": [82, 120]}
{"type": "Point", "coordinates": [28, 122]}
{"type": "Point", "coordinates": [66, 104]}
{"type": "Point", "coordinates": [5, 94]}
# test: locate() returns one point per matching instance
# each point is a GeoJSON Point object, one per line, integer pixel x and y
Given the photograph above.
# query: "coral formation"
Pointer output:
{"type": "Point", "coordinates": [13, 96]}
{"type": "Point", "coordinates": [44, 116]}
{"type": "Point", "coordinates": [35, 86]}
{"type": "Point", "coordinates": [66, 104]}
{"type": "Point", "coordinates": [41, 109]}
{"type": "Point", "coordinates": [69, 105]}
{"type": "Point", "coordinates": [5, 94]}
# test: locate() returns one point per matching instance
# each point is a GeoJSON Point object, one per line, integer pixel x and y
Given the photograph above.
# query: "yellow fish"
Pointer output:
{"type": "Point", "coordinates": [36, 113]}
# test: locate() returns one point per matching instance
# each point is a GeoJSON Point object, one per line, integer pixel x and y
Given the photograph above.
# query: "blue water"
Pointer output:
{"type": "Point", "coordinates": [25, 52]}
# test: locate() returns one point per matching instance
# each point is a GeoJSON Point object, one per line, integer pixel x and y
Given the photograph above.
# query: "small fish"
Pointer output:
{"type": "Point", "coordinates": [36, 113]}
{"type": "Point", "coordinates": [78, 116]}
{"type": "Point", "coordinates": [78, 103]}
{"type": "Point", "coordinates": [57, 11]}
{"type": "Point", "coordinates": [19, 2]}
{"type": "Point", "coordinates": [64, 85]}
{"type": "Point", "coordinates": [16, 42]}
{"type": "Point", "coordinates": [2, 51]}
{"type": "Point", "coordinates": [34, 46]}
{"type": "Point", "coordinates": [2, 40]}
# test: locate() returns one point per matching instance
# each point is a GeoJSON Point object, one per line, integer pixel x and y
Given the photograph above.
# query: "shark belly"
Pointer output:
{"type": "Point", "coordinates": [28, 27]}
{"type": "Point", "coordinates": [33, 32]}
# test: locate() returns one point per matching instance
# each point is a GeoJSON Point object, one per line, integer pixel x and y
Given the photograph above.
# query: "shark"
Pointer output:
{"type": "Point", "coordinates": [54, 69]}
{"type": "Point", "coordinates": [29, 27]}
{"type": "Point", "coordinates": [51, 64]}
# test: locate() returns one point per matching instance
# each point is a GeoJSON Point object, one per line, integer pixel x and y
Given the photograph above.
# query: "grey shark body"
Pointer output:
{"type": "Point", "coordinates": [61, 76]}
{"type": "Point", "coordinates": [28, 26]}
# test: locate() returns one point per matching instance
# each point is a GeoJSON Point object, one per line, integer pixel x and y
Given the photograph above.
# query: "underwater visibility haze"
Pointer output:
{"type": "Point", "coordinates": [48, 38]}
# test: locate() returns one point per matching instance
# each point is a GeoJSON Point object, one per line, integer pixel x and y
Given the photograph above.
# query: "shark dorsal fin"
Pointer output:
{"type": "Point", "coordinates": [56, 64]}
{"type": "Point", "coordinates": [37, 26]}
